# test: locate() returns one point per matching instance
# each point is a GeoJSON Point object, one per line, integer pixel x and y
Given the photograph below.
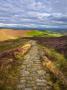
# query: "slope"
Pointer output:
{"type": "Point", "coordinates": [6, 34]}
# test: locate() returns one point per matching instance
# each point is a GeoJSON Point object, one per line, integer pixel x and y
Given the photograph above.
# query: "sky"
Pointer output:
{"type": "Point", "coordinates": [33, 13]}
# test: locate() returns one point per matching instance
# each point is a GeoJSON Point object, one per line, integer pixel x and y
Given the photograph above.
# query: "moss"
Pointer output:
{"type": "Point", "coordinates": [57, 86]}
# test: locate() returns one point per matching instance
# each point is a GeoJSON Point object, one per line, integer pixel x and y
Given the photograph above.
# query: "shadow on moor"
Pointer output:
{"type": "Point", "coordinates": [58, 43]}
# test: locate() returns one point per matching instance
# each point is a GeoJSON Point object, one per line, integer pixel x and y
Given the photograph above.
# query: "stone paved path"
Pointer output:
{"type": "Point", "coordinates": [32, 74]}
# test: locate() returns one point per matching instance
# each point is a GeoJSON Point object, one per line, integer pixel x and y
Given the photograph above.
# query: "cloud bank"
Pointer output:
{"type": "Point", "coordinates": [33, 13]}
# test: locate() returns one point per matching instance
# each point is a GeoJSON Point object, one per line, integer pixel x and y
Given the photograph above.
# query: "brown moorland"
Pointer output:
{"type": "Point", "coordinates": [58, 43]}
{"type": "Point", "coordinates": [6, 34]}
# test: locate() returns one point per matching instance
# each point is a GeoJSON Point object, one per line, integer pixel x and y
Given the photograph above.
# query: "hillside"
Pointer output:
{"type": "Point", "coordinates": [26, 63]}
{"type": "Point", "coordinates": [33, 60]}
{"type": "Point", "coordinates": [58, 43]}
{"type": "Point", "coordinates": [44, 33]}
{"type": "Point", "coordinates": [6, 34]}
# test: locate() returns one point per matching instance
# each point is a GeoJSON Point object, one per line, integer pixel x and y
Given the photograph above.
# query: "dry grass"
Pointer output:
{"type": "Point", "coordinates": [10, 66]}
{"type": "Point", "coordinates": [6, 34]}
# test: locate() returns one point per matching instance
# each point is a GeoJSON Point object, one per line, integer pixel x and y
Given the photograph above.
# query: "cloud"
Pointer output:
{"type": "Point", "coordinates": [39, 12]}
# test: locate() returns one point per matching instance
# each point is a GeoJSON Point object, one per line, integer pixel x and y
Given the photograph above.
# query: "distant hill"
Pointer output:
{"type": "Point", "coordinates": [62, 31]}
{"type": "Point", "coordinates": [6, 34]}
{"type": "Point", "coordinates": [44, 33]}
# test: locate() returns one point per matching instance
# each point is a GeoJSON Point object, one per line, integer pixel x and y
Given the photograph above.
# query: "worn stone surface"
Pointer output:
{"type": "Point", "coordinates": [32, 74]}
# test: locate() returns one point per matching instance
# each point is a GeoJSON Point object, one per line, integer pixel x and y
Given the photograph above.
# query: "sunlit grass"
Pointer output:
{"type": "Point", "coordinates": [58, 59]}
{"type": "Point", "coordinates": [6, 45]}
{"type": "Point", "coordinates": [54, 55]}
{"type": "Point", "coordinates": [44, 33]}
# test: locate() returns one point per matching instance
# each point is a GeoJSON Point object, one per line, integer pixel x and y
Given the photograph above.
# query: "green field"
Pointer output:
{"type": "Point", "coordinates": [45, 33]}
